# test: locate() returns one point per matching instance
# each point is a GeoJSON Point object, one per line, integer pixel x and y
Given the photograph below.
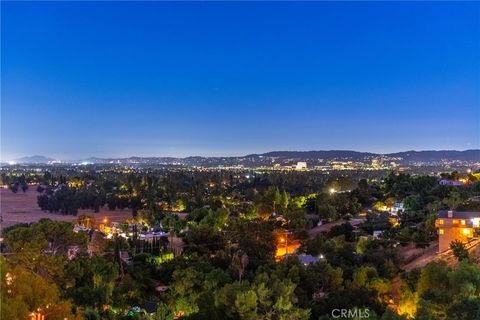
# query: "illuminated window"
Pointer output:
{"type": "Point", "coordinates": [441, 231]}
{"type": "Point", "coordinates": [462, 222]}
{"type": "Point", "coordinates": [476, 222]}
{"type": "Point", "coordinates": [466, 231]}
{"type": "Point", "coordinates": [455, 221]}
{"type": "Point", "coordinates": [440, 221]}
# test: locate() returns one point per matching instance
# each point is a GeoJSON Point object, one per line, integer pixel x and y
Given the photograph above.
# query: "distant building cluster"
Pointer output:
{"type": "Point", "coordinates": [337, 165]}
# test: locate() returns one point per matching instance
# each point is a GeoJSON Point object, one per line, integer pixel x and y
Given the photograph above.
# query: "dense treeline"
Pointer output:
{"type": "Point", "coordinates": [227, 269]}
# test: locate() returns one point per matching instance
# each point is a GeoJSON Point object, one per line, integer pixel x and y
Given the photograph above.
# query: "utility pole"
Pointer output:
{"type": "Point", "coordinates": [121, 263]}
{"type": "Point", "coordinates": [134, 229]}
{"type": "Point", "coordinates": [1, 224]}
{"type": "Point", "coordinates": [170, 228]}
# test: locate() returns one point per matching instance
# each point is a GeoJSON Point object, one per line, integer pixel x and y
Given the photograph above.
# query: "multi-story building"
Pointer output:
{"type": "Point", "coordinates": [453, 225]}
{"type": "Point", "coordinates": [300, 166]}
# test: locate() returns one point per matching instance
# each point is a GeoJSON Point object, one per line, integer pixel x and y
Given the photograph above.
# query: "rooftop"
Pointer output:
{"type": "Point", "coordinates": [459, 215]}
{"type": "Point", "coordinates": [306, 259]}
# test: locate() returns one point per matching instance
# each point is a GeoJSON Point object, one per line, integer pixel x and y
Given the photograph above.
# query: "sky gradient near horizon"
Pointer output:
{"type": "Point", "coordinates": [114, 79]}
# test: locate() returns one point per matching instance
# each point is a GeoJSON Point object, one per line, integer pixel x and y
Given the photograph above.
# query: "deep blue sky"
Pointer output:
{"type": "Point", "coordinates": [119, 79]}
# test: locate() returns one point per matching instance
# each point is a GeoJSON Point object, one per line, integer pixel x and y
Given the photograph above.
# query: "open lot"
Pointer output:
{"type": "Point", "coordinates": [21, 207]}
{"type": "Point", "coordinates": [327, 226]}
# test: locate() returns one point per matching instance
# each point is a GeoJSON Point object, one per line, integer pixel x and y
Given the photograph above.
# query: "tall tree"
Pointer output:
{"type": "Point", "coordinates": [239, 263]}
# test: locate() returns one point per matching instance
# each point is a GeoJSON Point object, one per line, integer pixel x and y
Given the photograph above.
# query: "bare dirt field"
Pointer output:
{"type": "Point", "coordinates": [418, 257]}
{"type": "Point", "coordinates": [21, 207]}
{"type": "Point", "coordinates": [327, 226]}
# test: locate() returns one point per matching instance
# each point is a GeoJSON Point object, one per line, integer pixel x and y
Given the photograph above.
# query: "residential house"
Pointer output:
{"type": "Point", "coordinates": [453, 225]}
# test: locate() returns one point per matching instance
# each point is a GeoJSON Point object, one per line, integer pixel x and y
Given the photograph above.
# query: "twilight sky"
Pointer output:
{"type": "Point", "coordinates": [155, 79]}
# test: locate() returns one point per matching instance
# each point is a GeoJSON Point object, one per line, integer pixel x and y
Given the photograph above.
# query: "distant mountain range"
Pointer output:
{"type": "Point", "coordinates": [34, 159]}
{"type": "Point", "coordinates": [283, 157]}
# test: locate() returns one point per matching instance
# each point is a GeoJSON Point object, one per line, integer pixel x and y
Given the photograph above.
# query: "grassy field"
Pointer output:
{"type": "Point", "coordinates": [21, 207]}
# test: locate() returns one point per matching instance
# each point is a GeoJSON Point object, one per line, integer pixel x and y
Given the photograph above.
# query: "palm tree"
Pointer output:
{"type": "Point", "coordinates": [239, 263]}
